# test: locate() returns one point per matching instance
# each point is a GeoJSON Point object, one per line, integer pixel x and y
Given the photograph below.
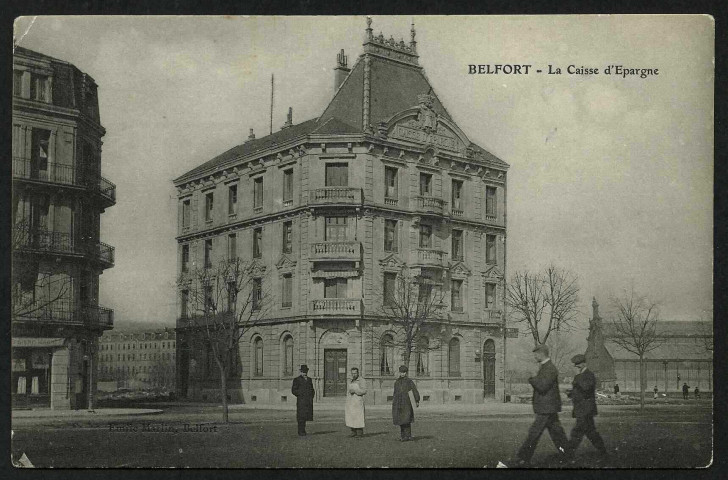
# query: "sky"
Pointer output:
{"type": "Point", "coordinates": [610, 177]}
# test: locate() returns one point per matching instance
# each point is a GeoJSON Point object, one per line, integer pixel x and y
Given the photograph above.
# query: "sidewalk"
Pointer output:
{"type": "Point", "coordinates": [99, 412]}
{"type": "Point", "coordinates": [486, 409]}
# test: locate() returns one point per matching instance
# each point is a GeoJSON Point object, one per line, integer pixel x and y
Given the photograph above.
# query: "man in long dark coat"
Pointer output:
{"type": "Point", "coordinates": [403, 413]}
{"type": "Point", "coordinates": [546, 406]}
{"type": "Point", "coordinates": [585, 407]}
{"type": "Point", "coordinates": [303, 390]}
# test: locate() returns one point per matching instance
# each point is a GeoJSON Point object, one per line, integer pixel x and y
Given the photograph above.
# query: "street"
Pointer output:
{"type": "Point", "coordinates": [676, 436]}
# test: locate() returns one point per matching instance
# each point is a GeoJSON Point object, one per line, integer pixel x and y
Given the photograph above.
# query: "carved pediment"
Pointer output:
{"type": "Point", "coordinates": [422, 125]}
{"type": "Point", "coordinates": [459, 269]}
{"type": "Point", "coordinates": [257, 268]}
{"type": "Point", "coordinates": [493, 272]}
{"type": "Point", "coordinates": [391, 262]}
{"type": "Point", "coordinates": [285, 263]}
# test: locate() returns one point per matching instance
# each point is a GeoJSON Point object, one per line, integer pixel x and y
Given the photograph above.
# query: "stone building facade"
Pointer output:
{"type": "Point", "coordinates": [58, 198]}
{"type": "Point", "coordinates": [138, 360]}
{"type": "Point", "coordinates": [330, 210]}
{"type": "Point", "coordinates": [684, 355]}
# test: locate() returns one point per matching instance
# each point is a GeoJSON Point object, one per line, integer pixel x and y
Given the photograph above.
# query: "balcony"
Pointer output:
{"type": "Point", "coordinates": [429, 257]}
{"type": "Point", "coordinates": [336, 251]}
{"type": "Point", "coordinates": [67, 313]}
{"type": "Point", "coordinates": [336, 306]}
{"type": "Point", "coordinates": [492, 316]}
{"type": "Point", "coordinates": [430, 205]}
{"type": "Point", "coordinates": [27, 169]}
{"type": "Point", "coordinates": [336, 196]}
{"type": "Point", "coordinates": [60, 243]}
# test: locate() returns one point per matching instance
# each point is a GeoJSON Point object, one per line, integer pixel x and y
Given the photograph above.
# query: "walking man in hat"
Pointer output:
{"type": "Point", "coordinates": [546, 406]}
{"type": "Point", "coordinates": [585, 407]}
{"type": "Point", "coordinates": [403, 414]}
{"type": "Point", "coordinates": [303, 390]}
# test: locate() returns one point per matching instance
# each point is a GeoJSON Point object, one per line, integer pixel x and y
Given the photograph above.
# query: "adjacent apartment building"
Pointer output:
{"type": "Point", "coordinates": [137, 360]}
{"type": "Point", "coordinates": [58, 255]}
{"type": "Point", "coordinates": [330, 211]}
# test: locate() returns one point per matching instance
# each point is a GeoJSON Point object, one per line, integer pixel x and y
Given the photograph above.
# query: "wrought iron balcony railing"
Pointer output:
{"type": "Point", "coordinates": [66, 313]}
{"type": "Point", "coordinates": [38, 239]}
{"type": "Point", "coordinates": [29, 169]}
{"type": "Point", "coordinates": [336, 251]}
{"type": "Point", "coordinates": [336, 195]}
{"type": "Point", "coordinates": [336, 306]}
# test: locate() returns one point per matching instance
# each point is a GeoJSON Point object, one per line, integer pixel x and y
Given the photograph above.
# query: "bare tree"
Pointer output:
{"type": "Point", "coordinates": [416, 303]}
{"type": "Point", "coordinates": [705, 339]}
{"type": "Point", "coordinates": [561, 348]}
{"type": "Point", "coordinates": [223, 302]}
{"type": "Point", "coordinates": [545, 301]}
{"type": "Point", "coordinates": [635, 329]}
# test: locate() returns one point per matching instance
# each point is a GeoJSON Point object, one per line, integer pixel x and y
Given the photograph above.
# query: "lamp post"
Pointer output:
{"type": "Point", "coordinates": [88, 357]}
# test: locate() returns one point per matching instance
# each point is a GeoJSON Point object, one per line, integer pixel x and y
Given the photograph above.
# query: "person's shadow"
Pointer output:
{"type": "Point", "coordinates": [374, 434]}
{"type": "Point", "coordinates": [325, 432]}
{"type": "Point", "coordinates": [422, 437]}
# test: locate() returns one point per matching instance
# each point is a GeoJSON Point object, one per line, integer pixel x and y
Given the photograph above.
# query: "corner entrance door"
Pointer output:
{"type": "Point", "coordinates": [334, 373]}
{"type": "Point", "coordinates": [489, 368]}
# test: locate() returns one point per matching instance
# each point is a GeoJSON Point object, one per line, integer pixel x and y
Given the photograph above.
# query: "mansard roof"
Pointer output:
{"type": "Point", "coordinates": [387, 78]}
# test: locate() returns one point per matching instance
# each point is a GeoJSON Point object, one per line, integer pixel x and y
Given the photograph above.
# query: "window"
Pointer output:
{"type": "Point", "coordinates": [208, 253]}
{"type": "Point", "coordinates": [490, 201]}
{"type": "Point", "coordinates": [232, 199]}
{"type": "Point", "coordinates": [258, 193]}
{"type": "Point", "coordinates": [456, 296]}
{"type": "Point", "coordinates": [335, 288]}
{"type": "Point", "coordinates": [209, 205]}
{"type": "Point", "coordinates": [337, 175]}
{"type": "Point", "coordinates": [232, 295]}
{"type": "Point", "coordinates": [287, 186]}
{"type": "Point", "coordinates": [425, 184]}
{"type": "Point", "coordinates": [422, 367]}
{"type": "Point", "coordinates": [335, 229]}
{"type": "Point", "coordinates": [390, 235]}
{"type": "Point", "coordinates": [258, 357]}
{"type": "Point", "coordinates": [390, 182]}
{"type": "Point", "coordinates": [257, 242]}
{"type": "Point", "coordinates": [287, 290]}
{"type": "Point", "coordinates": [288, 356]}
{"type": "Point", "coordinates": [457, 245]}
{"type": "Point", "coordinates": [386, 361]}
{"type": "Point", "coordinates": [209, 301]}
{"type": "Point", "coordinates": [39, 88]}
{"type": "Point", "coordinates": [186, 213]}
{"type": "Point", "coordinates": [232, 246]}
{"type": "Point", "coordinates": [17, 83]}
{"type": "Point", "coordinates": [490, 295]}
{"type": "Point", "coordinates": [425, 236]}
{"type": "Point", "coordinates": [40, 153]}
{"type": "Point", "coordinates": [185, 258]}
{"type": "Point", "coordinates": [389, 289]}
{"type": "Point", "coordinates": [457, 191]}
{"type": "Point", "coordinates": [424, 293]}
{"type": "Point", "coordinates": [454, 358]}
{"type": "Point", "coordinates": [287, 237]}
{"type": "Point", "coordinates": [257, 293]}
{"type": "Point", "coordinates": [490, 249]}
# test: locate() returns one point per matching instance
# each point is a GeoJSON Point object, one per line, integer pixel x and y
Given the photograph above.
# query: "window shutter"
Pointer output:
{"type": "Point", "coordinates": [193, 208]}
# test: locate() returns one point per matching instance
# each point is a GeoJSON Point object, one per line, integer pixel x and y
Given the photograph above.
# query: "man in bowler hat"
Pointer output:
{"type": "Point", "coordinates": [403, 413]}
{"type": "Point", "coordinates": [546, 406]}
{"type": "Point", "coordinates": [303, 390]}
{"type": "Point", "coordinates": [582, 395]}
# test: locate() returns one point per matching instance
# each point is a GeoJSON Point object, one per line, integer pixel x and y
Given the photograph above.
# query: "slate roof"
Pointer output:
{"type": "Point", "coordinates": [394, 87]}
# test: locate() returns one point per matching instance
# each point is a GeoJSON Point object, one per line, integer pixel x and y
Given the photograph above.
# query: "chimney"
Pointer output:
{"type": "Point", "coordinates": [251, 137]}
{"type": "Point", "coordinates": [341, 71]}
{"type": "Point", "coordinates": [289, 119]}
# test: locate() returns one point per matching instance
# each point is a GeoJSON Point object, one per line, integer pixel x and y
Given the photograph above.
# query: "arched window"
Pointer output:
{"type": "Point", "coordinates": [386, 363]}
{"type": "Point", "coordinates": [454, 358]}
{"type": "Point", "coordinates": [422, 357]}
{"type": "Point", "coordinates": [258, 357]}
{"type": "Point", "coordinates": [288, 356]}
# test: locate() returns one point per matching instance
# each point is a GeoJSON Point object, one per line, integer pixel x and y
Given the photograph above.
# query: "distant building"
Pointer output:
{"type": "Point", "coordinates": [138, 360]}
{"type": "Point", "coordinates": [684, 356]}
{"type": "Point", "coordinates": [330, 210]}
{"type": "Point", "coordinates": [58, 198]}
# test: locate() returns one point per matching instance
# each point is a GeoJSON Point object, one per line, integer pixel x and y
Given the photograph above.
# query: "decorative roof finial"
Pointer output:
{"type": "Point", "coordinates": [369, 28]}
{"type": "Point", "coordinates": [413, 43]}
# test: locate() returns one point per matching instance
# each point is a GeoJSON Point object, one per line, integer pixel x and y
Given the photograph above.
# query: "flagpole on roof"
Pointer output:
{"type": "Point", "coordinates": [271, 104]}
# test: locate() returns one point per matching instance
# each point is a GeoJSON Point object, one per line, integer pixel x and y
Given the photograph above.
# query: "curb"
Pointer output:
{"type": "Point", "coordinates": [76, 414]}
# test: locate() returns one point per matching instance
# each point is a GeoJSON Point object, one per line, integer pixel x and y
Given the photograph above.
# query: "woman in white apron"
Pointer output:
{"type": "Point", "coordinates": [354, 411]}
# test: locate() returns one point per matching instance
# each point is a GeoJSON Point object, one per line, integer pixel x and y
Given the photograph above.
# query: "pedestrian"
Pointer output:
{"type": "Point", "coordinates": [546, 406]}
{"type": "Point", "coordinates": [686, 391]}
{"type": "Point", "coordinates": [403, 413]}
{"type": "Point", "coordinates": [583, 397]}
{"type": "Point", "coordinates": [655, 390]}
{"type": "Point", "coordinates": [697, 393]}
{"type": "Point", "coordinates": [303, 390]}
{"type": "Point", "coordinates": [616, 389]}
{"type": "Point", "coordinates": [354, 410]}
